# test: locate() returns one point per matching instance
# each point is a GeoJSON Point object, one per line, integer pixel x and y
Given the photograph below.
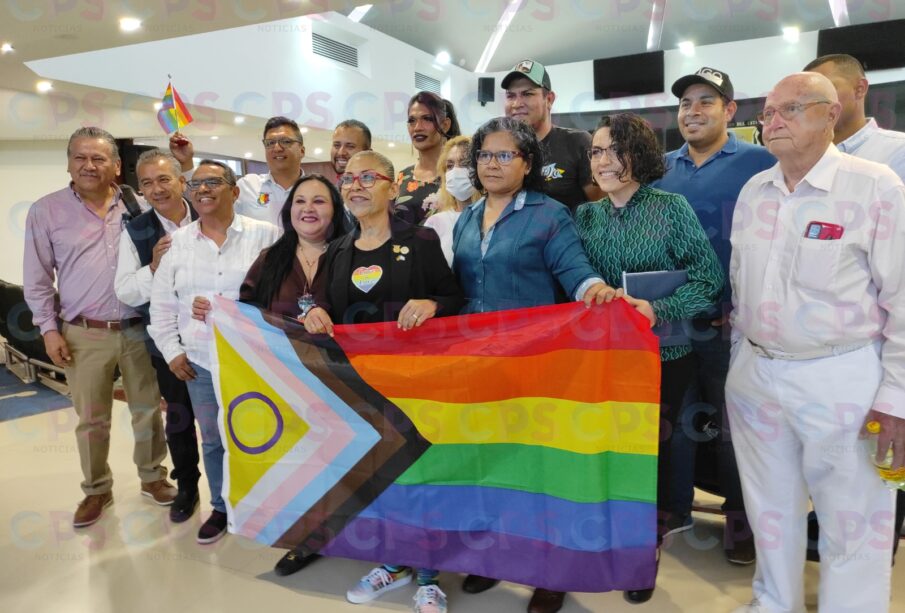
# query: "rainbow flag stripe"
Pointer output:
{"type": "Point", "coordinates": [519, 445]}
{"type": "Point", "coordinates": [173, 114]}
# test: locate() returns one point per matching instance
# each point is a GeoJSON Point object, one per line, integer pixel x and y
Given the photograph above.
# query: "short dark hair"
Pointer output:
{"type": "Point", "coordinates": [280, 256]}
{"type": "Point", "coordinates": [636, 146]}
{"type": "Point", "coordinates": [525, 140]}
{"type": "Point", "coordinates": [280, 121]}
{"type": "Point", "coordinates": [440, 110]}
{"type": "Point", "coordinates": [846, 62]}
{"type": "Point", "coordinates": [228, 173]}
{"type": "Point", "coordinates": [354, 123]}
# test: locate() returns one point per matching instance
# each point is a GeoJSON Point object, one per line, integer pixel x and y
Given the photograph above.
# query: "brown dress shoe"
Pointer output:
{"type": "Point", "coordinates": [161, 492]}
{"type": "Point", "coordinates": [91, 509]}
{"type": "Point", "coordinates": [545, 601]}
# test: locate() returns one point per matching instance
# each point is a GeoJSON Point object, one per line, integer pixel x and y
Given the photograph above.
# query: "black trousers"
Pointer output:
{"type": "Point", "coordinates": [180, 425]}
{"type": "Point", "coordinates": [711, 353]}
{"type": "Point", "coordinates": [675, 377]}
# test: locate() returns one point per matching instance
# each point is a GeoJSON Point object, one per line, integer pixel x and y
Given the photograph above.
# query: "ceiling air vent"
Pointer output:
{"type": "Point", "coordinates": [334, 50]}
{"type": "Point", "coordinates": [426, 83]}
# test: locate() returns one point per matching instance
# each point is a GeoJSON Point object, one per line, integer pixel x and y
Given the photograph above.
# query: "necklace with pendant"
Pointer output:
{"type": "Point", "coordinates": [306, 300]}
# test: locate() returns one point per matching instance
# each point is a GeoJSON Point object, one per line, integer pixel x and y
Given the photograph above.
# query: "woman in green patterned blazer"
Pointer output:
{"type": "Point", "coordinates": [637, 228]}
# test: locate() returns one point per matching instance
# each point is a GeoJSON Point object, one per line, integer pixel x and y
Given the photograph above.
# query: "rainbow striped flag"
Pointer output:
{"type": "Point", "coordinates": [173, 114]}
{"type": "Point", "coordinates": [520, 445]}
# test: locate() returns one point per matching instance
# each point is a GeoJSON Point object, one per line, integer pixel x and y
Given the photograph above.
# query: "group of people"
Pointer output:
{"type": "Point", "coordinates": [797, 332]}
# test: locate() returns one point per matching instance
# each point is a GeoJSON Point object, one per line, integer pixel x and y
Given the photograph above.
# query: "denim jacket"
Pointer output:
{"type": "Point", "coordinates": [530, 255]}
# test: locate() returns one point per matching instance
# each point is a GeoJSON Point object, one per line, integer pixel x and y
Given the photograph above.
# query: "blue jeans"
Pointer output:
{"type": "Point", "coordinates": [204, 403]}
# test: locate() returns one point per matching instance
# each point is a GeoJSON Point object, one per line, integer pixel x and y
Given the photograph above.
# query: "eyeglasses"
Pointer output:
{"type": "Point", "coordinates": [595, 153]}
{"type": "Point", "coordinates": [786, 111]}
{"type": "Point", "coordinates": [212, 183]}
{"type": "Point", "coordinates": [366, 179]}
{"type": "Point", "coordinates": [285, 143]}
{"type": "Point", "coordinates": [503, 157]}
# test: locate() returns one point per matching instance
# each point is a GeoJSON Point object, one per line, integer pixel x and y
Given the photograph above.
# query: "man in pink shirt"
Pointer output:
{"type": "Point", "coordinates": [73, 236]}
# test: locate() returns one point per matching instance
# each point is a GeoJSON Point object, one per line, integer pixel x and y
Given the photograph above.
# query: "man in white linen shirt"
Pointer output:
{"type": "Point", "coordinates": [818, 249]}
{"type": "Point", "coordinates": [207, 258]}
{"type": "Point", "coordinates": [146, 239]}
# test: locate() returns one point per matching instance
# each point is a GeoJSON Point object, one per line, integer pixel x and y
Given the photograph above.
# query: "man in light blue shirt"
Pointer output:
{"type": "Point", "coordinates": [710, 170]}
{"type": "Point", "coordinates": [859, 135]}
{"type": "Point", "coordinates": [855, 132]}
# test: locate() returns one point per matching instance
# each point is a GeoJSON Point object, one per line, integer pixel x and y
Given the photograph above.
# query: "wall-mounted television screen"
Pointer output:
{"type": "Point", "coordinates": [628, 75]}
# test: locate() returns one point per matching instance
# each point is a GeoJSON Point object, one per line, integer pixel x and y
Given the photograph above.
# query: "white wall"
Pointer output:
{"type": "Point", "coordinates": [28, 170]}
{"type": "Point", "coordinates": [753, 65]}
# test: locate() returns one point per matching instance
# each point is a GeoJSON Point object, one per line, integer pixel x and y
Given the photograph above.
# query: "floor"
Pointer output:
{"type": "Point", "coordinates": [135, 561]}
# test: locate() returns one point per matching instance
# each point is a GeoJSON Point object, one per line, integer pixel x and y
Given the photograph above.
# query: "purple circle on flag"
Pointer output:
{"type": "Point", "coordinates": [273, 407]}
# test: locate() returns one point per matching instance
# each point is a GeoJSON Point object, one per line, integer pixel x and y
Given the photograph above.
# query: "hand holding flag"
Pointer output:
{"type": "Point", "coordinates": [173, 114]}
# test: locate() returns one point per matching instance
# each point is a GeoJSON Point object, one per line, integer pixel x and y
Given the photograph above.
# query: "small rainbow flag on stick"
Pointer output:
{"type": "Point", "coordinates": [519, 445]}
{"type": "Point", "coordinates": [173, 115]}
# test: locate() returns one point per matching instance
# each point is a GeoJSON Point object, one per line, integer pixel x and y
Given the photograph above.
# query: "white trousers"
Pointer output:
{"type": "Point", "coordinates": [795, 431]}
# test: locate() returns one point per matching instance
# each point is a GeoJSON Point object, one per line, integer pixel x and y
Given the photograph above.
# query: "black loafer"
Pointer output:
{"type": "Point", "coordinates": [638, 596]}
{"type": "Point", "coordinates": [183, 506]}
{"type": "Point", "coordinates": [475, 584]}
{"type": "Point", "coordinates": [292, 562]}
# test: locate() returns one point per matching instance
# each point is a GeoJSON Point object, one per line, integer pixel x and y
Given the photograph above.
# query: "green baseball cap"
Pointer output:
{"type": "Point", "coordinates": [531, 70]}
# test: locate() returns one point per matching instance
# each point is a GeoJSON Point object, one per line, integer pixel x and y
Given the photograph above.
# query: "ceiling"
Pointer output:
{"type": "Point", "coordinates": [552, 31]}
{"type": "Point", "coordinates": [559, 31]}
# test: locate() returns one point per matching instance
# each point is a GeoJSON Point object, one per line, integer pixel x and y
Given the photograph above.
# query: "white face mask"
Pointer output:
{"type": "Point", "coordinates": [459, 184]}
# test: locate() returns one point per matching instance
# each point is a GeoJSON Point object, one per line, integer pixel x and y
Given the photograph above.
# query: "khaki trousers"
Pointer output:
{"type": "Point", "coordinates": [95, 355]}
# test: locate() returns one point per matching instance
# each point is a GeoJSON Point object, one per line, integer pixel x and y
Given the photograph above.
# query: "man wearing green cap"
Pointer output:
{"type": "Point", "coordinates": [567, 170]}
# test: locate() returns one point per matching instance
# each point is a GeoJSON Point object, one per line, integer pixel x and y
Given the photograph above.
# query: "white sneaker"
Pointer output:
{"type": "Point", "coordinates": [430, 599]}
{"type": "Point", "coordinates": [378, 582]}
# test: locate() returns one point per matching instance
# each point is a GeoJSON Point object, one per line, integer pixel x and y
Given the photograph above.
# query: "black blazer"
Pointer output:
{"type": "Point", "coordinates": [422, 274]}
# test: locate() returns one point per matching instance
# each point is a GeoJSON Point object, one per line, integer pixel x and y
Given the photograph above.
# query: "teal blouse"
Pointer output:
{"type": "Point", "coordinates": [656, 230]}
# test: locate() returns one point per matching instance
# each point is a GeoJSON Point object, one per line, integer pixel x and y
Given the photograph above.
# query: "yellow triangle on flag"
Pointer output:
{"type": "Point", "coordinates": [260, 426]}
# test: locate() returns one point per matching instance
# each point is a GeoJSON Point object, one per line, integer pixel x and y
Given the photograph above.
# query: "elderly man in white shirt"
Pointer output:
{"type": "Point", "coordinates": [818, 250]}
{"type": "Point", "coordinates": [207, 258]}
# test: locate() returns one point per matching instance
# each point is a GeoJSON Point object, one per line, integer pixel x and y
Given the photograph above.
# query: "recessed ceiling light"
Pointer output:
{"type": "Point", "coordinates": [443, 58]}
{"type": "Point", "coordinates": [318, 151]}
{"type": "Point", "coordinates": [158, 106]}
{"type": "Point", "coordinates": [248, 155]}
{"type": "Point", "coordinates": [391, 145]}
{"type": "Point", "coordinates": [791, 34]}
{"type": "Point", "coordinates": [238, 119]}
{"type": "Point", "coordinates": [129, 24]}
{"type": "Point", "coordinates": [215, 138]}
{"type": "Point", "coordinates": [303, 130]}
{"type": "Point", "coordinates": [44, 86]}
{"type": "Point", "coordinates": [6, 48]}
{"type": "Point", "coordinates": [686, 47]}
